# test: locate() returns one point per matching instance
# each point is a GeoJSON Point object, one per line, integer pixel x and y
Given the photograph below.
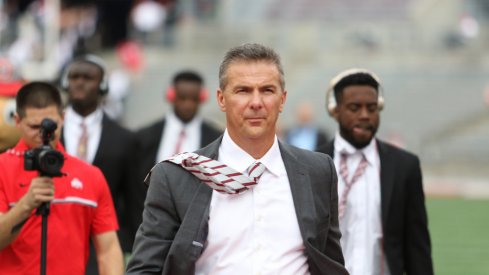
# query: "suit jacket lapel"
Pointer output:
{"type": "Point", "coordinates": [300, 186]}
{"type": "Point", "coordinates": [195, 224]}
{"type": "Point", "coordinates": [194, 227]}
{"type": "Point", "coordinates": [210, 151]}
{"type": "Point", "coordinates": [104, 138]}
{"type": "Point", "coordinates": [156, 140]}
{"type": "Point", "coordinates": [387, 166]}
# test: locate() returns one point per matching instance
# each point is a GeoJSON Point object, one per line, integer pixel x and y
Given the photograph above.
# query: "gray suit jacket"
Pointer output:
{"type": "Point", "coordinates": [175, 219]}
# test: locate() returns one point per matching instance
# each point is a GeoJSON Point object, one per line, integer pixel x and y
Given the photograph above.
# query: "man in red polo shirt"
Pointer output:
{"type": "Point", "coordinates": [81, 206]}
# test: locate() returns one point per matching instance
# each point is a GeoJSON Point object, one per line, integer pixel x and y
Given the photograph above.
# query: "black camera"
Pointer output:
{"type": "Point", "coordinates": [46, 160]}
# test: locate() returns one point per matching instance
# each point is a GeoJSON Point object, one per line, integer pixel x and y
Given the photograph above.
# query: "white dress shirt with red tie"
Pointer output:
{"type": "Point", "coordinates": [172, 140]}
{"type": "Point", "coordinates": [360, 224]}
{"type": "Point", "coordinates": [73, 133]}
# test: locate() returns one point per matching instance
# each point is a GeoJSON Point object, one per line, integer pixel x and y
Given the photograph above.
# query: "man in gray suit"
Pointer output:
{"type": "Point", "coordinates": [285, 224]}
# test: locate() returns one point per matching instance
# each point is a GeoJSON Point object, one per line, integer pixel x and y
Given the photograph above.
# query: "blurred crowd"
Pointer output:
{"type": "Point", "coordinates": [55, 31]}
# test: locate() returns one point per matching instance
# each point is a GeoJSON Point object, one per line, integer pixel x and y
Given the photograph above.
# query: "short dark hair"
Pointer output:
{"type": "Point", "coordinates": [188, 75]}
{"type": "Point", "coordinates": [90, 59]}
{"type": "Point", "coordinates": [37, 94]}
{"type": "Point", "coordinates": [249, 52]}
{"type": "Point", "coordinates": [360, 78]}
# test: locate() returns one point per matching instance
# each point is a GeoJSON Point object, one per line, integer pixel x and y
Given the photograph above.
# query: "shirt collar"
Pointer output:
{"type": "Point", "coordinates": [343, 146]}
{"type": "Point", "coordinates": [92, 119]}
{"type": "Point", "coordinates": [21, 147]}
{"type": "Point", "coordinates": [236, 158]}
{"type": "Point", "coordinates": [273, 158]}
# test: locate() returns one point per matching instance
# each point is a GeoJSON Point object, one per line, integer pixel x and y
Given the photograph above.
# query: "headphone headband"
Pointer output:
{"type": "Point", "coordinates": [330, 96]}
{"type": "Point", "coordinates": [171, 94]}
{"type": "Point", "coordinates": [187, 76]}
{"type": "Point", "coordinates": [350, 72]}
{"type": "Point", "coordinates": [92, 59]}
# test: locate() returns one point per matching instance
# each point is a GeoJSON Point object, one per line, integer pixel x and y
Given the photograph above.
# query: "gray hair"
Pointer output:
{"type": "Point", "coordinates": [249, 52]}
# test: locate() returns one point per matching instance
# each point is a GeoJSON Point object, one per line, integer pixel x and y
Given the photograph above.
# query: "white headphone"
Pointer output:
{"type": "Point", "coordinates": [330, 97]}
{"type": "Point", "coordinates": [92, 59]}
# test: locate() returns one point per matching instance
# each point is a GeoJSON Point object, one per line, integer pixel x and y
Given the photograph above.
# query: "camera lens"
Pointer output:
{"type": "Point", "coordinates": [50, 162]}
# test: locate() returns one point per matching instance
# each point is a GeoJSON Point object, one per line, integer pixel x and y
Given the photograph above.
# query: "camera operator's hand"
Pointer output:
{"type": "Point", "coordinates": [41, 190]}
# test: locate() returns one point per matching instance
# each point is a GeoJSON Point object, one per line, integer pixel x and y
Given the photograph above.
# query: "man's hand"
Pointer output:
{"type": "Point", "coordinates": [41, 190]}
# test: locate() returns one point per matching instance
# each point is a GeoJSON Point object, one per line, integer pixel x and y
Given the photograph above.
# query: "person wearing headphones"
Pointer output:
{"type": "Point", "coordinates": [381, 208]}
{"type": "Point", "coordinates": [91, 135]}
{"type": "Point", "coordinates": [182, 129]}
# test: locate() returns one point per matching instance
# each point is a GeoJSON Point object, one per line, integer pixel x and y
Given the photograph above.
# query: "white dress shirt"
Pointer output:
{"type": "Point", "coordinates": [255, 232]}
{"type": "Point", "coordinates": [171, 133]}
{"type": "Point", "coordinates": [361, 225]}
{"type": "Point", "coordinates": [73, 131]}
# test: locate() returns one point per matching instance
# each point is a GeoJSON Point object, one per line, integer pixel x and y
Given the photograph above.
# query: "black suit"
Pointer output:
{"type": "Point", "coordinates": [404, 221]}
{"type": "Point", "coordinates": [115, 157]}
{"type": "Point", "coordinates": [149, 141]}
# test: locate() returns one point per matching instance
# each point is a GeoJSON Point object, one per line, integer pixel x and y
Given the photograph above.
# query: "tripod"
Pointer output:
{"type": "Point", "coordinates": [43, 210]}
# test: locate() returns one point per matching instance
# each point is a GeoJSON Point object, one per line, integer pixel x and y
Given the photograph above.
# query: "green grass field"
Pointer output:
{"type": "Point", "coordinates": [460, 236]}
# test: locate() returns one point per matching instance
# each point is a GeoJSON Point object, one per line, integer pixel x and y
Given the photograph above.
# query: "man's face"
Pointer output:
{"type": "Point", "coordinates": [252, 100]}
{"type": "Point", "coordinates": [30, 125]}
{"type": "Point", "coordinates": [357, 114]}
{"type": "Point", "coordinates": [83, 85]}
{"type": "Point", "coordinates": [187, 100]}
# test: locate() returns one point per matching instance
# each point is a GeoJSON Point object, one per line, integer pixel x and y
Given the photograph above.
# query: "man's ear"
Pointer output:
{"type": "Point", "coordinates": [221, 101]}
{"type": "Point", "coordinates": [284, 98]}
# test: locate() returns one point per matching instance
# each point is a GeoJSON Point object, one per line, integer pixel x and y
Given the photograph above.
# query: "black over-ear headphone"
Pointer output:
{"type": "Point", "coordinates": [330, 97]}
{"type": "Point", "coordinates": [92, 59]}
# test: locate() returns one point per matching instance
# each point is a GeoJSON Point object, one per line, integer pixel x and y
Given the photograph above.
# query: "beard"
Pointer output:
{"type": "Point", "coordinates": [359, 141]}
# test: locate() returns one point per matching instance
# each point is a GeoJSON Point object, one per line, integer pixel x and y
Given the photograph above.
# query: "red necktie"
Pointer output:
{"type": "Point", "coordinates": [349, 183]}
{"type": "Point", "coordinates": [181, 138]}
{"type": "Point", "coordinates": [81, 149]}
{"type": "Point", "coordinates": [218, 175]}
